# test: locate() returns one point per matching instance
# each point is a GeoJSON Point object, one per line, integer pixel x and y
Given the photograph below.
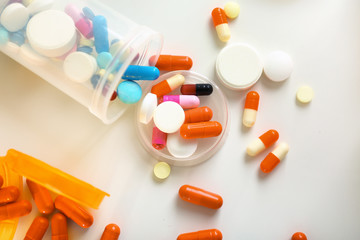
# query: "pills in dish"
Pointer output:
{"type": "Point", "coordinates": [41, 196]}
{"type": "Point", "coordinates": [79, 67]}
{"type": "Point", "coordinates": [111, 232]}
{"type": "Point", "coordinates": [200, 197]}
{"type": "Point", "coordinates": [274, 158]}
{"type": "Point", "coordinates": [201, 114]}
{"type": "Point", "coordinates": [37, 228]}
{"type": "Point", "coordinates": [278, 66]}
{"type": "Point", "coordinates": [171, 62]}
{"type": "Point", "coordinates": [305, 94]}
{"type": "Point", "coordinates": [129, 92]}
{"type": "Point", "coordinates": [148, 106]}
{"type": "Point", "coordinates": [232, 9]}
{"type": "Point", "coordinates": [185, 101]}
{"type": "Point", "coordinates": [169, 116]}
{"type": "Point", "coordinates": [168, 85]}
{"type": "Point", "coordinates": [14, 17]}
{"type": "Point", "coordinates": [200, 89]}
{"type": "Point", "coordinates": [251, 108]}
{"type": "Point", "coordinates": [298, 236]}
{"type": "Point", "coordinates": [209, 234]}
{"type": "Point", "coordinates": [159, 139]}
{"type": "Point", "coordinates": [201, 130]}
{"type": "Point", "coordinates": [221, 24]}
{"type": "Point", "coordinates": [162, 170]}
{"type": "Point", "coordinates": [261, 143]}
{"type": "Point", "coordinates": [59, 227]}
{"type": "Point", "coordinates": [180, 147]}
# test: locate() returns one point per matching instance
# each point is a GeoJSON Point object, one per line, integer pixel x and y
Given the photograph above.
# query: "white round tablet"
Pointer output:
{"type": "Point", "coordinates": [168, 117]}
{"type": "Point", "coordinates": [278, 66]}
{"type": "Point", "coordinates": [52, 33]}
{"type": "Point", "coordinates": [79, 66]}
{"type": "Point", "coordinates": [148, 106]}
{"type": "Point", "coordinates": [239, 66]}
{"type": "Point", "coordinates": [39, 5]}
{"type": "Point", "coordinates": [305, 94]}
{"type": "Point", "coordinates": [31, 56]}
{"type": "Point", "coordinates": [14, 17]}
{"type": "Point", "coordinates": [180, 147]}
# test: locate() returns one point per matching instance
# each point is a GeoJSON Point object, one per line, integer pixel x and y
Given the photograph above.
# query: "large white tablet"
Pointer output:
{"type": "Point", "coordinates": [168, 117]}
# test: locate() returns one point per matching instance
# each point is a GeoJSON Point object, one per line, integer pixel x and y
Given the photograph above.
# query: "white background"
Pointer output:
{"type": "Point", "coordinates": [316, 189]}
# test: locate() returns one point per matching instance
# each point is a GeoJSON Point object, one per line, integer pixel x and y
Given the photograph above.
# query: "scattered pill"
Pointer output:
{"type": "Point", "coordinates": [51, 33]}
{"type": "Point", "coordinates": [298, 236]}
{"type": "Point", "coordinates": [185, 101]}
{"type": "Point", "coordinates": [31, 56]}
{"type": "Point", "coordinates": [162, 170]}
{"type": "Point", "coordinates": [201, 114]}
{"type": "Point", "coordinates": [4, 36]}
{"type": "Point", "coordinates": [81, 23]}
{"type": "Point", "coordinates": [104, 59]}
{"type": "Point", "coordinates": [59, 227]}
{"type": "Point", "coordinates": [201, 197]}
{"type": "Point", "coordinates": [74, 211]}
{"type": "Point", "coordinates": [15, 210]}
{"type": "Point", "coordinates": [171, 62]}
{"type": "Point", "coordinates": [9, 194]}
{"type": "Point", "coordinates": [147, 108]}
{"type": "Point", "coordinates": [278, 66]}
{"type": "Point", "coordinates": [221, 24]}
{"type": "Point", "coordinates": [168, 85]}
{"type": "Point", "coordinates": [200, 89]}
{"type": "Point", "coordinates": [239, 66]}
{"type": "Point", "coordinates": [85, 49]}
{"type": "Point", "coordinates": [100, 34]}
{"type": "Point", "coordinates": [17, 37]}
{"type": "Point", "coordinates": [201, 130]}
{"type": "Point", "coordinates": [136, 72]}
{"type": "Point", "coordinates": [14, 17]}
{"type": "Point", "coordinates": [251, 108]}
{"type": "Point", "coordinates": [79, 66]}
{"type": "Point", "coordinates": [305, 94]}
{"type": "Point", "coordinates": [261, 143]}
{"type": "Point", "coordinates": [168, 117]}
{"type": "Point", "coordinates": [1, 181]}
{"type": "Point", "coordinates": [274, 158]}
{"type": "Point", "coordinates": [129, 92]}
{"type": "Point", "coordinates": [158, 139]}
{"type": "Point", "coordinates": [210, 234]}
{"type": "Point", "coordinates": [41, 196]}
{"type": "Point", "coordinates": [111, 232]}
{"type": "Point", "coordinates": [232, 9]}
{"type": "Point", "coordinates": [37, 229]}
{"type": "Point", "coordinates": [180, 147]}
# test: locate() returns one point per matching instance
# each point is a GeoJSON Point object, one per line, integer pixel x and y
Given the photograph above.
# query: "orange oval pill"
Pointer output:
{"type": "Point", "coordinates": [298, 236]}
{"type": "Point", "coordinates": [172, 63]}
{"type": "Point", "coordinates": [111, 232]}
{"type": "Point", "coordinates": [9, 194]}
{"type": "Point", "coordinates": [252, 100]}
{"type": "Point", "coordinates": [218, 16]}
{"type": "Point", "coordinates": [201, 114]}
{"type": "Point", "coordinates": [74, 211]}
{"type": "Point", "coordinates": [37, 229]}
{"type": "Point", "coordinates": [200, 130]}
{"type": "Point", "coordinates": [15, 210]}
{"type": "Point", "coordinates": [59, 227]}
{"type": "Point", "coordinates": [201, 197]}
{"type": "Point", "coordinates": [269, 138]}
{"type": "Point", "coordinates": [41, 196]}
{"type": "Point", "coordinates": [210, 234]}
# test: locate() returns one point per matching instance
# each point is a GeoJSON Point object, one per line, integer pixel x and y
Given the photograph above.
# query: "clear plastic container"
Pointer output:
{"type": "Point", "coordinates": [138, 44]}
{"type": "Point", "coordinates": [206, 146]}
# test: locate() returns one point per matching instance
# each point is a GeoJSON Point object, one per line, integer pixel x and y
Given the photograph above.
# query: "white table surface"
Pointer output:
{"type": "Point", "coordinates": [316, 189]}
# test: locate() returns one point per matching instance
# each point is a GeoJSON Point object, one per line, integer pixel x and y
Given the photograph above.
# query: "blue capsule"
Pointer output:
{"type": "Point", "coordinates": [17, 37]}
{"type": "Point", "coordinates": [85, 49]}
{"type": "Point", "coordinates": [129, 92]}
{"type": "Point", "coordinates": [136, 72]}
{"type": "Point", "coordinates": [103, 59]}
{"type": "Point", "coordinates": [4, 36]}
{"type": "Point", "coordinates": [89, 14]}
{"type": "Point", "coordinates": [101, 38]}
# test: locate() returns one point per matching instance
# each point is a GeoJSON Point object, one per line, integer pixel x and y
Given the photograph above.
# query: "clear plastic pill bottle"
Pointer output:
{"type": "Point", "coordinates": [61, 40]}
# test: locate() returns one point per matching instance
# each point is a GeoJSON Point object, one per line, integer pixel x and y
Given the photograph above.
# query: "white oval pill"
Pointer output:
{"type": "Point", "coordinates": [168, 117]}
{"type": "Point", "coordinates": [51, 33]}
{"type": "Point", "coordinates": [180, 147]}
{"type": "Point", "coordinates": [79, 66]}
{"type": "Point", "coordinates": [147, 109]}
{"type": "Point", "coordinates": [14, 17]}
{"type": "Point", "coordinates": [39, 5]}
{"type": "Point", "coordinates": [305, 94]}
{"type": "Point", "coordinates": [278, 66]}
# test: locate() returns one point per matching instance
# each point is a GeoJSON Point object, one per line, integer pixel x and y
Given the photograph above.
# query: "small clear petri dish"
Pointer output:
{"type": "Point", "coordinates": [207, 147]}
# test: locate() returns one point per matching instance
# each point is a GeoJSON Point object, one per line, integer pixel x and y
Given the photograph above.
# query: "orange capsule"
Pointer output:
{"type": "Point", "coordinates": [251, 108]}
{"type": "Point", "coordinates": [111, 232]}
{"type": "Point", "coordinates": [221, 24]}
{"type": "Point", "coordinates": [298, 236]}
{"type": "Point", "coordinates": [201, 114]}
{"type": "Point", "coordinates": [15, 210]}
{"type": "Point", "coordinates": [200, 130]}
{"type": "Point", "coordinates": [262, 142]}
{"type": "Point", "coordinates": [172, 63]}
{"type": "Point", "coordinates": [168, 85]}
{"type": "Point", "coordinates": [210, 234]}
{"type": "Point", "coordinates": [1, 181]}
{"type": "Point", "coordinates": [201, 197]}
{"type": "Point", "coordinates": [9, 194]}
{"type": "Point", "coordinates": [41, 197]}
{"type": "Point", "coordinates": [59, 227]}
{"type": "Point", "coordinates": [37, 229]}
{"type": "Point", "coordinates": [274, 158]}
{"type": "Point", "coordinates": [74, 211]}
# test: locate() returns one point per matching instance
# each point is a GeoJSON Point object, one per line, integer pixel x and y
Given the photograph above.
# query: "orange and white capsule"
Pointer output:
{"type": "Point", "coordinates": [251, 108]}
{"type": "Point", "coordinates": [15, 210]}
{"type": "Point", "coordinates": [209, 234]}
{"type": "Point", "coordinates": [168, 85]}
{"type": "Point", "coordinates": [262, 142]}
{"type": "Point", "coordinates": [111, 232]}
{"type": "Point", "coordinates": [9, 194]}
{"type": "Point", "coordinates": [221, 24]}
{"type": "Point", "coordinates": [41, 196]}
{"type": "Point", "coordinates": [274, 158]}
{"type": "Point", "coordinates": [37, 229]}
{"type": "Point", "coordinates": [59, 227]}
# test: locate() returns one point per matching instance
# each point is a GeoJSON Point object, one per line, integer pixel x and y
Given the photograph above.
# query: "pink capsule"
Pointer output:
{"type": "Point", "coordinates": [158, 139]}
{"type": "Point", "coordinates": [185, 101]}
{"type": "Point", "coordinates": [81, 22]}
